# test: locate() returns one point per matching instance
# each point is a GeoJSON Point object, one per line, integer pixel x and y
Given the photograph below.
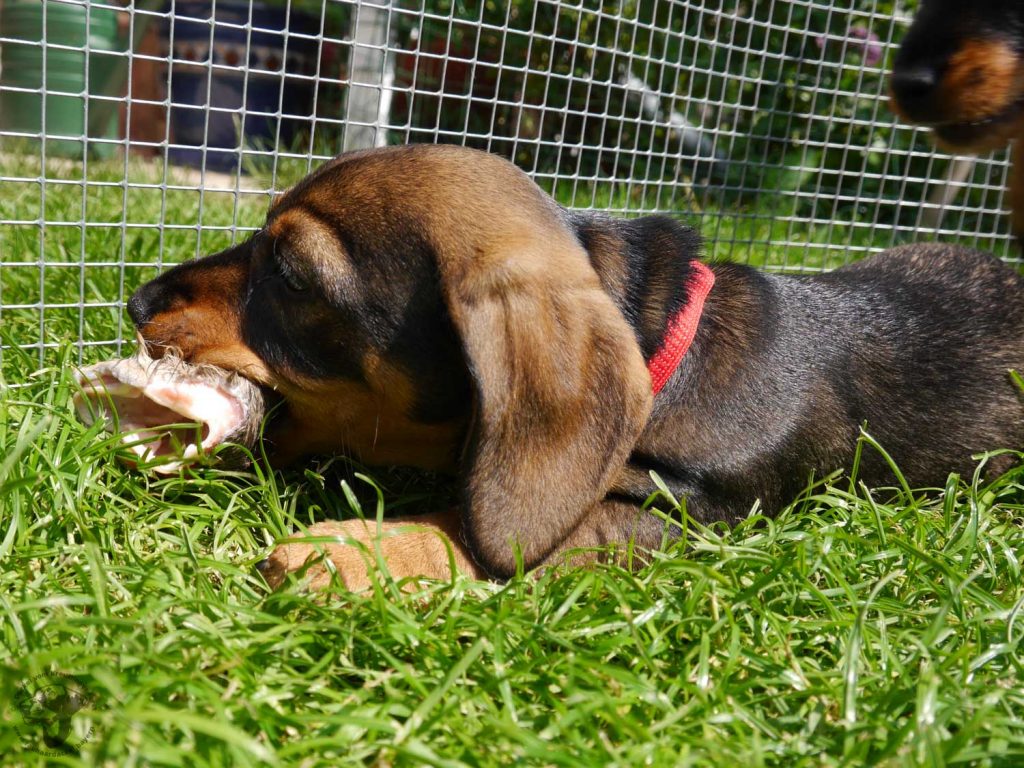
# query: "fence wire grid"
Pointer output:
{"type": "Point", "coordinates": [135, 136]}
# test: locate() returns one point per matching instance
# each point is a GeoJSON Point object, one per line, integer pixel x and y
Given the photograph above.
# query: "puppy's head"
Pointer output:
{"type": "Point", "coordinates": [426, 306]}
{"type": "Point", "coordinates": [960, 70]}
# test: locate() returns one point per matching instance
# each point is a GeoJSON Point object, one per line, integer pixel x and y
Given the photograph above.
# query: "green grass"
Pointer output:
{"type": "Point", "coordinates": [859, 628]}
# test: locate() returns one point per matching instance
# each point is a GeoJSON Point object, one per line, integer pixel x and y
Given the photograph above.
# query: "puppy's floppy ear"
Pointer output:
{"type": "Point", "coordinates": [562, 393]}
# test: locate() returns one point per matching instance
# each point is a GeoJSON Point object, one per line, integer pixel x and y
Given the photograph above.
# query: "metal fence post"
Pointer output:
{"type": "Point", "coordinates": [371, 76]}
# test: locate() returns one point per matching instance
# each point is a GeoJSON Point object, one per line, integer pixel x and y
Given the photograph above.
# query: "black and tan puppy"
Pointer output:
{"type": "Point", "coordinates": [960, 71]}
{"type": "Point", "coordinates": [430, 306]}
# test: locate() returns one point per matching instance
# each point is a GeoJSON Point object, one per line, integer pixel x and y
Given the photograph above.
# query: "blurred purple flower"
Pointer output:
{"type": "Point", "coordinates": [871, 45]}
{"type": "Point", "coordinates": [865, 40]}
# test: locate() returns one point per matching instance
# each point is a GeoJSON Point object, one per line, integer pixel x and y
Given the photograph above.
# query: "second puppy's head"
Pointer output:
{"type": "Point", "coordinates": [960, 71]}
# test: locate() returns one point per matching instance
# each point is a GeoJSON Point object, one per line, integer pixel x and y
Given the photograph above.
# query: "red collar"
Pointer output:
{"type": "Point", "coordinates": [681, 328]}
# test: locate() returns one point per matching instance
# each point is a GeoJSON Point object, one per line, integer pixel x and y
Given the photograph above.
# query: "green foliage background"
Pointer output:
{"type": "Point", "coordinates": [787, 92]}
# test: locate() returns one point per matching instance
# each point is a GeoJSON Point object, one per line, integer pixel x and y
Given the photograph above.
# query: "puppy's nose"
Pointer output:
{"type": "Point", "coordinates": [915, 88]}
{"type": "Point", "coordinates": [141, 305]}
{"type": "Point", "coordinates": [263, 565]}
{"type": "Point", "coordinates": [137, 310]}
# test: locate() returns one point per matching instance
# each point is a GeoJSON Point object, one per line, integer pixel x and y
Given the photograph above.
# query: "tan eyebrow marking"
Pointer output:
{"type": "Point", "coordinates": [316, 243]}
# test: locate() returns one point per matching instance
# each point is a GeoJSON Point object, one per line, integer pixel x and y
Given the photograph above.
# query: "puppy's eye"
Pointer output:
{"type": "Point", "coordinates": [292, 279]}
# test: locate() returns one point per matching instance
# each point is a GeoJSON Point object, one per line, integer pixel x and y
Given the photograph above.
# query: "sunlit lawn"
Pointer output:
{"type": "Point", "coordinates": [859, 628]}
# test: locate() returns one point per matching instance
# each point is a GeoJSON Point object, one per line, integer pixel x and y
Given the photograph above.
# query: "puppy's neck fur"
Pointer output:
{"type": "Point", "coordinates": [643, 264]}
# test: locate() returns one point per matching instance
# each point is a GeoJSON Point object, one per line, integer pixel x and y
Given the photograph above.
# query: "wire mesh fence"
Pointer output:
{"type": "Point", "coordinates": [134, 137]}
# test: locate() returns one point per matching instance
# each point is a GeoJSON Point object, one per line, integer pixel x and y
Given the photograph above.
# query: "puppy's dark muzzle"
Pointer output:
{"type": "Point", "coordinates": [218, 281]}
{"type": "Point", "coordinates": [142, 306]}
{"type": "Point", "coordinates": [916, 91]}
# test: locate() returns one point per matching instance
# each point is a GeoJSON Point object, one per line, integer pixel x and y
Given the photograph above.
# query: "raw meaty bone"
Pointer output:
{"type": "Point", "coordinates": [168, 411]}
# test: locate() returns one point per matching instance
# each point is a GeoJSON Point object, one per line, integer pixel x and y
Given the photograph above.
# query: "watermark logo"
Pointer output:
{"type": "Point", "coordinates": [48, 704]}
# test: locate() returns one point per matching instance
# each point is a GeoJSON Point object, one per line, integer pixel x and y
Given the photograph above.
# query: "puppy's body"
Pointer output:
{"type": "Point", "coordinates": [916, 342]}
{"type": "Point", "coordinates": [430, 306]}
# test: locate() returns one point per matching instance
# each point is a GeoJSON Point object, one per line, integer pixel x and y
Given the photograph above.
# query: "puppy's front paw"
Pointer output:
{"type": "Point", "coordinates": [410, 547]}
